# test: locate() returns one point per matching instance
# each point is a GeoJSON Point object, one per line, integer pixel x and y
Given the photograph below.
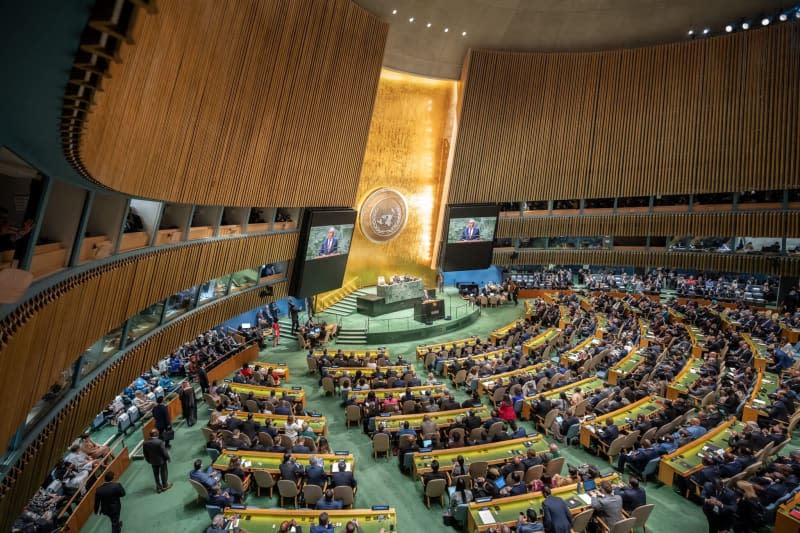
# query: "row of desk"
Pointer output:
{"type": "Point", "coordinates": [443, 419]}
{"type": "Point", "coordinates": [316, 423]}
{"type": "Point", "coordinates": [688, 459]}
{"type": "Point", "coordinates": [622, 418]}
{"type": "Point", "coordinates": [271, 461]}
{"type": "Point", "coordinates": [481, 357]}
{"type": "Point", "coordinates": [487, 384]}
{"type": "Point", "coordinates": [486, 515]}
{"type": "Point", "coordinates": [427, 391]}
{"type": "Point", "coordinates": [546, 337]}
{"type": "Point", "coordinates": [269, 520]}
{"type": "Point", "coordinates": [423, 349]}
{"type": "Point", "coordinates": [493, 454]}
{"type": "Point", "coordinates": [766, 384]}
{"type": "Point", "coordinates": [588, 386]}
{"type": "Point", "coordinates": [358, 354]}
{"type": "Point", "coordinates": [294, 394]}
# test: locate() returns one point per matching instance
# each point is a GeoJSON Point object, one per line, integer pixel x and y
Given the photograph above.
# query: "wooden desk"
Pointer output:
{"type": "Point", "coordinates": [688, 375]}
{"type": "Point", "coordinates": [295, 394]}
{"type": "Point", "coordinates": [766, 384]}
{"type": "Point", "coordinates": [317, 424]}
{"type": "Point", "coordinates": [80, 515]}
{"type": "Point", "coordinates": [358, 354]}
{"type": "Point", "coordinates": [502, 331]}
{"type": "Point", "coordinates": [685, 461]}
{"type": "Point", "coordinates": [488, 384]}
{"type": "Point", "coordinates": [697, 338]}
{"type": "Point", "coordinates": [233, 364]}
{"type": "Point", "coordinates": [443, 419]}
{"type": "Point", "coordinates": [494, 453]}
{"type": "Point", "coordinates": [269, 520]}
{"type": "Point", "coordinates": [625, 366]}
{"type": "Point", "coordinates": [648, 406]}
{"type": "Point", "coordinates": [587, 386]}
{"type": "Point", "coordinates": [571, 356]}
{"type": "Point", "coordinates": [271, 461]}
{"type": "Point", "coordinates": [481, 357]}
{"type": "Point", "coordinates": [784, 522]}
{"type": "Point", "coordinates": [790, 334]}
{"type": "Point", "coordinates": [280, 369]}
{"type": "Point", "coordinates": [428, 391]}
{"type": "Point", "coordinates": [760, 352]}
{"type": "Point", "coordinates": [423, 349]}
{"type": "Point", "coordinates": [510, 507]}
{"type": "Point", "coordinates": [339, 372]}
{"type": "Point", "coordinates": [543, 338]}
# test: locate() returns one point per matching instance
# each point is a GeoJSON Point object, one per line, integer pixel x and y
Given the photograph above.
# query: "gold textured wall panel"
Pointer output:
{"type": "Point", "coordinates": [226, 102]}
{"type": "Point", "coordinates": [757, 264]}
{"type": "Point", "coordinates": [50, 331]}
{"type": "Point", "coordinates": [722, 224]}
{"type": "Point", "coordinates": [26, 476]}
{"type": "Point", "coordinates": [406, 151]}
{"type": "Point", "coordinates": [710, 115]}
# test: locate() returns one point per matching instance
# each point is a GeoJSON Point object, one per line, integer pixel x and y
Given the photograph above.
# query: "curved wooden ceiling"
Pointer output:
{"type": "Point", "coordinates": [239, 103]}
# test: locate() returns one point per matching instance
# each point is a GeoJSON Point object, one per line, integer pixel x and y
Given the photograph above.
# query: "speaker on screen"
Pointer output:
{"type": "Point", "coordinates": [322, 251]}
{"type": "Point", "coordinates": [470, 236]}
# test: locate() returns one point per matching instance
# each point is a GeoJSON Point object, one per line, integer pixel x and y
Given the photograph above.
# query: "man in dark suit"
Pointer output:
{"type": "Point", "coordinates": [609, 433]}
{"type": "Point", "coordinates": [471, 232]}
{"type": "Point", "coordinates": [330, 246]}
{"type": "Point", "coordinates": [343, 478]}
{"type": "Point", "coordinates": [555, 513]}
{"type": "Point", "coordinates": [433, 474]}
{"type": "Point", "coordinates": [290, 470]}
{"type": "Point", "coordinates": [315, 472]}
{"type": "Point", "coordinates": [251, 428]}
{"type": "Point", "coordinates": [157, 456]}
{"type": "Point", "coordinates": [633, 495]}
{"type": "Point", "coordinates": [163, 423]}
{"type": "Point", "coordinates": [106, 501]}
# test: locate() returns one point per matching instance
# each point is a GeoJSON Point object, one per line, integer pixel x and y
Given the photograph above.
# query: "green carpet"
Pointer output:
{"type": "Point", "coordinates": [379, 482]}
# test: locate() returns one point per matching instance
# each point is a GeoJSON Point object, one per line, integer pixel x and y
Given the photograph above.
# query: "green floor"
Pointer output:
{"type": "Point", "coordinates": [379, 482]}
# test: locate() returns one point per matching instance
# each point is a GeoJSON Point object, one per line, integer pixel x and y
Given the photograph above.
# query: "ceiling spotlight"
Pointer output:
{"type": "Point", "coordinates": [796, 15]}
{"type": "Point", "coordinates": [691, 32]}
{"type": "Point", "coordinates": [429, 25]}
{"type": "Point", "coordinates": [446, 30]}
{"type": "Point", "coordinates": [411, 19]}
{"type": "Point", "coordinates": [394, 12]}
{"type": "Point", "coordinates": [765, 21]}
{"type": "Point", "coordinates": [728, 28]}
{"type": "Point", "coordinates": [745, 25]}
{"type": "Point", "coordinates": [706, 31]}
{"type": "Point", "coordinates": [783, 17]}
{"type": "Point", "coordinates": [463, 34]}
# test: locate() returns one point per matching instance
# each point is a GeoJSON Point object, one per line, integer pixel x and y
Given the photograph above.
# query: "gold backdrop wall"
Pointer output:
{"type": "Point", "coordinates": [407, 148]}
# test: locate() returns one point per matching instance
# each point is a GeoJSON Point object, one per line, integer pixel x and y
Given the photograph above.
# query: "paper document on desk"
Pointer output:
{"type": "Point", "coordinates": [486, 516]}
{"type": "Point", "coordinates": [586, 498]}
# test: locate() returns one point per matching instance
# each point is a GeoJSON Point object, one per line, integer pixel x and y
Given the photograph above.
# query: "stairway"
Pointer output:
{"type": "Point", "coordinates": [345, 306]}
{"type": "Point", "coordinates": [351, 336]}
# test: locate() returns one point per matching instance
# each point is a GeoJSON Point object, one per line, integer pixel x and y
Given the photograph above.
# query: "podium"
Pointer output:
{"type": "Point", "coordinates": [428, 310]}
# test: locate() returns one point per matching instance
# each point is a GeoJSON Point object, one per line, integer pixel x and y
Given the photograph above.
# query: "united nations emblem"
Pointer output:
{"type": "Point", "coordinates": [383, 215]}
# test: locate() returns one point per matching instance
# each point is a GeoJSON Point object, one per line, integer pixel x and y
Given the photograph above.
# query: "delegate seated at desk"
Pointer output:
{"type": "Point", "coordinates": [471, 232]}
{"type": "Point", "coordinates": [330, 246]}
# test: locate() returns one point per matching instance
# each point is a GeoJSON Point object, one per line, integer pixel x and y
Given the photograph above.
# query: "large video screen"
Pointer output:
{"type": "Point", "coordinates": [470, 234]}
{"type": "Point", "coordinates": [322, 252]}
{"type": "Point", "coordinates": [327, 241]}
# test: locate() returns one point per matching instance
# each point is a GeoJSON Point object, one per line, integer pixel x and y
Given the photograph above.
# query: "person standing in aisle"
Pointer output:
{"type": "Point", "coordinates": [293, 314]}
{"type": "Point", "coordinates": [188, 404]}
{"type": "Point", "coordinates": [276, 334]}
{"type": "Point", "coordinates": [106, 501]}
{"type": "Point", "coordinates": [163, 422]}
{"type": "Point", "coordinates": [157, 456]}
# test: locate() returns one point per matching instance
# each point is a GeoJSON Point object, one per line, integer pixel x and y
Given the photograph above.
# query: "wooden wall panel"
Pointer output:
{"type": "Point", "coordinates": [709, 115]}
{"type": "Point", "coordinates": [757, 264]}
{"type": "Point", "coordinates": [225, 102]}
{"type": "Point", "coordinates": [723, 224]}
{"type": "Point", "coordinates": [52, 329]}
{"type": "Point", "coordinates": [27, 475]}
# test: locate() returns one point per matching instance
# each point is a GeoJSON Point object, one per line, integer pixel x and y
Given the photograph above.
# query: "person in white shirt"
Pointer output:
{"type": "Point", "coordinates": [293, 427]}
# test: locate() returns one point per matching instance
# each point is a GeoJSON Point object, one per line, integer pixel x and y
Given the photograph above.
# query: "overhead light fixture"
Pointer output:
{"type": "Point", "coordinates": [394, 12]}
{"type": "Point", "coordinates": [429, 25]}
{"type": "Point", "coordinates": [463, 34]}
{"type": "Point", "coordinates": [728, 28]}
{"type": "Point", "coordinates": [765, 21]}
{"type": "Point", "coordinates": [446, 30]}
{"type": "Point", "coordinates": [411, 19]}
{"type": "Point", "coordinates": [691, 32]}
{"type": "Point", "coordinates": [783, 17]}
{"type": "Point", "coordinates": [796, 15]}
{"type": "Point", "coordinates": [745, 25]}
{"type": "Point", "coordinates": [706, 31]}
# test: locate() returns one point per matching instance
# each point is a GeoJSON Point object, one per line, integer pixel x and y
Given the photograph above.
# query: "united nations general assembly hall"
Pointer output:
{"type": "Point", "coordinates": [413, 266]}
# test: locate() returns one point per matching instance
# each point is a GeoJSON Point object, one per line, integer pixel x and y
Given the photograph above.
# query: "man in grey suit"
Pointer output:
{"type": "Point", "coordinates": [156, 454]}
{"type": "Point", "coordinates": [607, 504]}
{"type": "Point", "coordinates": [555, 513]}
